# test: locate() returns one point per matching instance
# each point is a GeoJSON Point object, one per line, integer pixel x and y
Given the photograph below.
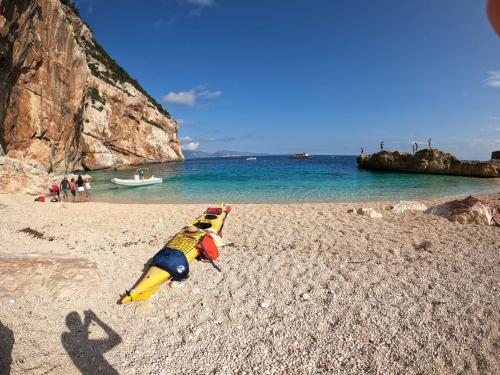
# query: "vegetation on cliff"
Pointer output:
{"type": "Point", "coordinates": [114, 73]}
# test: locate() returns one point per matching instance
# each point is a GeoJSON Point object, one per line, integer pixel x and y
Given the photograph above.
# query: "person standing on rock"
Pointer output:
{"type": "Point", "coordinates": [81, 188]}
{"type": "Point", "coordinates": [416, 146]}
{"type": "Point", "coordinates": [430, 143]}
{"type": "Point", "coordinates": [64, 185]}
{"type": "Point", "coordinates": [362, 151]}
{"type": "Point", "coordinates": [382, 146]}
{"type": "Point", "coordinates": [413, 147]}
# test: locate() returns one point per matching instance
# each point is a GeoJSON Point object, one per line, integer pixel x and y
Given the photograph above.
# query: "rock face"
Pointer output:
{"type": "Point", "coordinates": [428, 161]}
{"type": "Point", "coordinates": [470, 210]}
{"type": "Point", "coordinates": [17, 176]}
{"type": "Point", "coordinates": [495, 155]}
{"type": "Point", "coordinates": [65, 102]}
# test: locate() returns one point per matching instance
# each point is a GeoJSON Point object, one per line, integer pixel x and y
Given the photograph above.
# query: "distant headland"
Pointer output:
{"type": "Point", "coordinates": [65, 103]}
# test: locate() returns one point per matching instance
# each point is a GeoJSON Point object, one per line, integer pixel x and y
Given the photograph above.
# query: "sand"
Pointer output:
{"type": "Point", "coordinates": [306, 289]}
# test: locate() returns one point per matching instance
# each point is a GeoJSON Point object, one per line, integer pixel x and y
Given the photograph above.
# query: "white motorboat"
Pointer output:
{"type": "Point", "coordinates": [252, 158]}
{"type": "Point", "coordinates": [137, 181]}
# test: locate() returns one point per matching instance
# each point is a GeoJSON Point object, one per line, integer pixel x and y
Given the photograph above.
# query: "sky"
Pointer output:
{"type": "Point", "coordinates": [317, 76]}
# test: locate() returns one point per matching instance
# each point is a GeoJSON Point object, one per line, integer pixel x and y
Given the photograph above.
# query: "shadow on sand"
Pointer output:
{"type": "Point", "coordinates": [6, 344]}
{"type": "Point", "coordinates": [87, 354]}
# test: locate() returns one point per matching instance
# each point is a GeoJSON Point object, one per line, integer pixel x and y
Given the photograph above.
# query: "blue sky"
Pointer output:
{"type": "Point", "coordinates": [322, 76]}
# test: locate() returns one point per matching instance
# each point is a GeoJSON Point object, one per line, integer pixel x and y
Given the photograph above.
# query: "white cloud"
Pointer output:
{"type": "Point", "coordinates": [188, 98]}
{"type": "Point", "coordinates": [187, 143]}
{"type": "Point", "coordinates": [493, 80]}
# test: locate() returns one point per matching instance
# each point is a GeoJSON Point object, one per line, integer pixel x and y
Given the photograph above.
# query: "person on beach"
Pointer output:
{"type": "Point", "coordinates": [382, 146]}
{"type": "Point", "coordinates": [429, 141]}
{"type": "Point", "coordinates": [416, 146]}
{"type": "Point", "coordinates": [88, 187]}
{"type": "Point", "coordinates": [72, 188]}
{"type": "Point", "coordinates": [55, 191]}
{"type": "Point", "coordinates": [81, 188]}
{"type": "Point", "coordinates": [64, 187]}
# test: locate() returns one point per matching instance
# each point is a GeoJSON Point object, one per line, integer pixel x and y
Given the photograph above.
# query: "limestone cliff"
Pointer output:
{"type": "Point", "coordinates": [65, 103]}
{"type": "Point", "coordinates": [428, 161]}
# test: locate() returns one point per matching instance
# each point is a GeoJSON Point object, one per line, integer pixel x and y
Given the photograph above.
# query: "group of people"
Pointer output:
{"type": "Point", "coordinates": [67, 187]}
{"type": "Point", "coordinates": [414, 146]}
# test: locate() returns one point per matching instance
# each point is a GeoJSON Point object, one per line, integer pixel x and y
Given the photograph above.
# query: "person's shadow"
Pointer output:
{"type": "Point", "coordinates": [87, 355]}
{"type": "Point", "coordinates": [6, 344]}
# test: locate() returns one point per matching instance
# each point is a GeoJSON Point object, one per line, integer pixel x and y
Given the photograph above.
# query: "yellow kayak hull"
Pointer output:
{"type": "Point", "coordinates": [155, 276]}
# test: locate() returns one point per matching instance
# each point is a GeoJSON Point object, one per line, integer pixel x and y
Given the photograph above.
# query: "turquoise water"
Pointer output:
{"type": "Point", "coordinates": [278, 179]}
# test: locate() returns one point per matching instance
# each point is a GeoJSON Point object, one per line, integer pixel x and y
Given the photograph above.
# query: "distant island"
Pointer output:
{"type": "Point", "coordinates": [219, 154]}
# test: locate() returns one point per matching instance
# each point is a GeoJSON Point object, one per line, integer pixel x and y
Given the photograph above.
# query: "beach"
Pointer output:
{"type": "Point", "coordinates": [305, 288]}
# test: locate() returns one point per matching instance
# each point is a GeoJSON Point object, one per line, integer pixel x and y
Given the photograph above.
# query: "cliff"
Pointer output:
{"type": "Point", "coordinates": [65, 103]}
{"type": "Point", "coordinates": [431, 161]}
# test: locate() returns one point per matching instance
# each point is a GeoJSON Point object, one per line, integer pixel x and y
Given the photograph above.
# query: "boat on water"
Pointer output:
{"type": "Point", "coordinates": [251, 158]}
{"type": "Point", "coordinates": [304, 155]}
{"type": "Point", "coordinates": [137, 181]}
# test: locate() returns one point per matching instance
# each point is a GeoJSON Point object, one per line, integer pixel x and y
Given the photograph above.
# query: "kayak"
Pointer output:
{"type": "Point", "coordinates": [155, 276]}
{"type": "Point", "coordinates": [137, 182]}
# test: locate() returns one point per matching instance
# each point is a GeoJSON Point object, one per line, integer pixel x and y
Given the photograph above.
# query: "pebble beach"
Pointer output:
{"type": "Point", "coordinates": [304, 289]}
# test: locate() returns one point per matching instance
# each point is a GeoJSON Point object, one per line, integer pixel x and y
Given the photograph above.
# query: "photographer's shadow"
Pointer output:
{"type": "Point", "coordinates": [87, 354]}
{"type": "Point", "coordinates": [6, 344]}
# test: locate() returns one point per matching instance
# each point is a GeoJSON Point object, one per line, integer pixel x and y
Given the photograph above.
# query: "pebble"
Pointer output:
{"type": "Point", "coordinates": [306, 296]}
{"type": "Point", "coordinates": [12, 301]}
{"type": "Point", "coordinates": [265, 304]}
{"type": "Point", "coordinates": [196, 290]}
{"type": "Point", "coordinates": [177, 284]}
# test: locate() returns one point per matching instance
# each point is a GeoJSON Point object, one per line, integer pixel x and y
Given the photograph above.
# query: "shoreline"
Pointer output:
{"type": "Point", "coordinates": [357, 291]}
{"type": "Point", "coordinates": [370, 201]}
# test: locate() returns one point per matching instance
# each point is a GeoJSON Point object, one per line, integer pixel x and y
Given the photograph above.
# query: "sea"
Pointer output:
{"type": "Point", "coordinates": [279, 179]}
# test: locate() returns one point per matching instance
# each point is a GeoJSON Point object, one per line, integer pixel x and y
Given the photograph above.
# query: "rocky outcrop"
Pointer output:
{"type": "Point", "coordinates": [431, 161]}
{"type": "Point", "coordinates": [65, 102]}
{"type": "Point", "coordinates": [403, 206]}
{"type": "Point", "coordinates": [18, 176]}
{"type": "Point", "coordinates": [495, 155]}
{"type": "Point", "coordinates": [470, 210]}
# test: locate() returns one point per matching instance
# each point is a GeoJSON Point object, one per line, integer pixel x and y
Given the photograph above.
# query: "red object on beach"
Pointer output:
{"type": "Point", "coordinates": [214, 210]}
{"type": "Point", "coordinates": [207, 248]}
{"type": "Point", "coordinates": [41, 198]}
{"type": "Point", "coordinates": [493, 9]}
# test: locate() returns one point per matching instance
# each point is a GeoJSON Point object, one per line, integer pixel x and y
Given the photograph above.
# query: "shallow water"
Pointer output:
{"type": "Point", "coordinates": [278, 179]}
